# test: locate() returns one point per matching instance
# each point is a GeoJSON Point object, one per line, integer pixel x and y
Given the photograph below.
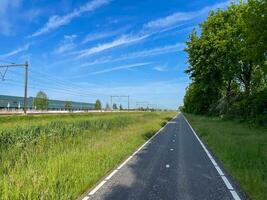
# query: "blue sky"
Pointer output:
{"type": "Point", "coordinates": [84, 50]}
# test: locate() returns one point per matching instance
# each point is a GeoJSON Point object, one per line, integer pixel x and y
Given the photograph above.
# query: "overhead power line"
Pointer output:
{"type": "Point", "coordinates": [25, 65]}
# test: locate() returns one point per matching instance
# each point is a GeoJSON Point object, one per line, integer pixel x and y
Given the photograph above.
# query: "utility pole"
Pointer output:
{"type": "Point", "coordinates": [26, 88]}
{"type": "Point", "coordinates": [26, 65]}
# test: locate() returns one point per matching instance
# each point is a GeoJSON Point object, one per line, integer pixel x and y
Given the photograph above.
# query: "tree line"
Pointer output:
{"type": "Point", "coordinates": [41, 102]}
{"type": "Point", "coordinates": [228, 63]}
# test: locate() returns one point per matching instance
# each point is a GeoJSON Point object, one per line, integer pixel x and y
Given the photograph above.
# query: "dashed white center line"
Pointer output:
{"type": "Point", "coordinates": [173, 140]}
{"type": "Point", "coordinates": [171, 149]}
{"type": "Point", "coordinates": [167, 166]}
{"type": "Point", "coordinates": [92, 192]}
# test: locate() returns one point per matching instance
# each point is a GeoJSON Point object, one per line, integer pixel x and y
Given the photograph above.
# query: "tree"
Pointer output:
{"type": "Point", "coordinates": [121, 108]}
{"type": "Point", "coordinates": [255, 22]}
{"type": "Point", "coordinates": [98, 105]}
{"type": "Point", "coordinates": [41, 101]}
{"type": "Point", "coordinates": [67, 105]}
{"type": "Point", "coordinates": [227, 62]}
{"type": "Point", "coordinates": [114, 106]}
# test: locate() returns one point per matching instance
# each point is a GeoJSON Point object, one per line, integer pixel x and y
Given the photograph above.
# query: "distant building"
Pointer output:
{"type": "Point", "coordinates": [14, 102]}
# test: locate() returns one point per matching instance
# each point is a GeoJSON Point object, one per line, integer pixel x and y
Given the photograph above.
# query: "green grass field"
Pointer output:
{"type": "Point", "coordinates": [61, 156]}
{"type": "Point", "coordinates": [241, 148]}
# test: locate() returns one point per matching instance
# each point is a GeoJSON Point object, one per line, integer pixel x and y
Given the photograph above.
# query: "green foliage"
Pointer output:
{"type": "Point", "coordinates": [41, 101]}
{"type": "Point", "coordinates": [121, 108]}
{"type": "Point", "coordinates": [60, 156]}
{"type": "Point", "coordinates": [241, 148]}
{"type": "Point", "coordinates": [67, 105]}
{"type": "Point", "coordinates": [114, 106]}
{"type": "Point", "coordinates": [98, 105]}
{"type": "Point", "coordinates": [227, 62]}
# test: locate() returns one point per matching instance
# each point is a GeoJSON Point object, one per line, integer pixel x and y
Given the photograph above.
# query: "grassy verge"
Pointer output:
{"type": "Point", "coordinates": [60, 157]}
{"type": "Point", "coordinates": [241, 148]}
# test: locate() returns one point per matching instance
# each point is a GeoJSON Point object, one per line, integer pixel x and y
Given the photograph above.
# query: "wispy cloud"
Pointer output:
{"type": "Point", "coordinates": [16, 51]}
{"type": "Point", "coordinates": [7, 7]}
{"type": "Point", "coordinates": [66, 45]}
{"type": "Point", "coordinates": [161, 68]}
{"type": "Point", "coordinates": [123, 40]}
{"type": "Point", "coordinates": [56, 21]}
{"type": "Point", "coordinates": [97, 36]}
{"type": "Point", "coordinates": [178, 17]}
{"type": "Point", "coordinates": [121, 67]}
{"type": "Point", "coordinates": [139, 54]}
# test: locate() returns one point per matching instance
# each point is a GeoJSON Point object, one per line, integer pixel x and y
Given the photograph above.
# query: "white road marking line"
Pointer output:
{"type": "Point", "coordinates": [235, 195]}
{"type": "Point", "coordinates": [97, 187]}
{"type": "Point", "coordinates": [129, 158]}
{"type": "Point", "coordinates": [111, 174]}
{"type": "Point", "coordinates": [173, 140]}
{"type": "Point", "coordinates": [167, 166]}
{"type": "Point", "coordinates": [124, 163]}
{"type": "Point", "coordinates": [171, 122]}
{"type": "Point", "coordinates": [86, 198]}
{"type": "Point", "coordinates": [224, 178]}
{"type": "Point", "coordinates": [213, 162]}
{"type": "Point", "coordinates": [219, 171]}
{"type": "Point", "coordinates": [227, 183]}
{"type": "Point", "coordinates": [171, 149]}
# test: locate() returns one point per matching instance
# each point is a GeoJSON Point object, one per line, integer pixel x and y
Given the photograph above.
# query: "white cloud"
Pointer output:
{"type": "Point", "coordinates": [123, 40]}
{"type": "Point", "coordinates": [66, 45]}
{"type": "Point", "coordinates": [156, 51]}
{"type": "Point", "coordinates": [97, 36]}
{"type": "Point", "coordinates": [139, 54]}
{"type": "Point", "coordinates": [178, 17]}
{"type": "Point", "coordinates": [121, 67]}
{"type": "Point", "coordinates": [56, 21]}
{"type": "Point", "coordinates": [5, 4]}
{"type": "Point", "coordinates": [161, 68]}
{"type": "Point", "coordinates": [16, 51]}
{"type": "Point", "coordinates": [32, 14]}
{"type": "Point", "coordinates": [6, 8]}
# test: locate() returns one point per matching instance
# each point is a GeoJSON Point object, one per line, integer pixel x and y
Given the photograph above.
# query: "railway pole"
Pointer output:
{"type": "Point", "coordinates": [26, 88]}
{"type": "Point", "coordinates": [25, 65]}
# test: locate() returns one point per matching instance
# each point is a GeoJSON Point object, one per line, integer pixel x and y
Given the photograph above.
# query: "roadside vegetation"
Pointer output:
{"type": "Point", "coordinates": [226, 101]}
{"type": "Point", "coordinates": [60, 157]}
{"type": "Point", "coordinates": [228, 64]}
{"type": "Point", "coordinates": [241, 148]}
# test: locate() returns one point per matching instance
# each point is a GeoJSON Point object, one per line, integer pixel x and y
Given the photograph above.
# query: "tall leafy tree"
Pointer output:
{"type": "Point", "coordinates": [41, 101]}
{"type": "Point", "coordinates": [227, 61]}
{"type": "Point", "coordinates": [98, 105]}
{"type": "Point", "coordinates": [67, 105]}
{"type": "Point", "coordinates": [114, 106]}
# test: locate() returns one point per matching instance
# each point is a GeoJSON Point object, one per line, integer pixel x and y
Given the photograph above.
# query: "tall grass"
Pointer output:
{"type": "Point", "coordinates": [241, 148]}
{"type": "Point", "coordinates": [48, 157]}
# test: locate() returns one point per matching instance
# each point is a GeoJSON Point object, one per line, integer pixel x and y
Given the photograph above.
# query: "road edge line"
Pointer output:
{"type": "Point", "coordinates": [214, 163]}
{"type": "Point", "coordinates": [106, 178]}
